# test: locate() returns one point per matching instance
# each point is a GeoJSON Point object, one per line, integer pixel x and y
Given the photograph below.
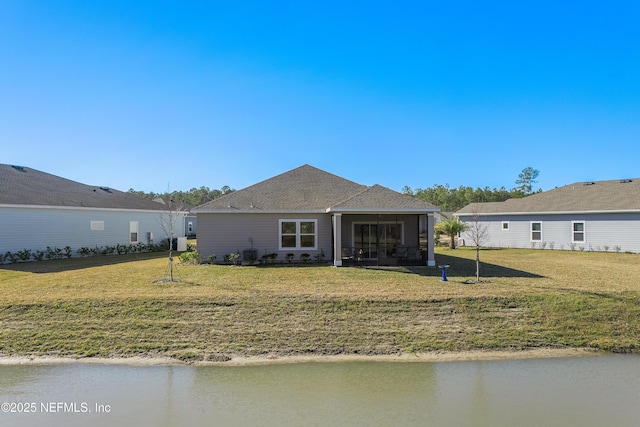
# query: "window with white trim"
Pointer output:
{"type": "Point", "coordinates": [505, 225]}
{"type": "Point", "coordinates": [536, 232]}
{"type": "Point", "coordinates": [298, 234]}
{"type": "Point", "coordinates": [577, 232]}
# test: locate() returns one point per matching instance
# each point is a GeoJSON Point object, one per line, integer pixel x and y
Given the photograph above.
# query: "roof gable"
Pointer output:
{"type": "Point", "coordinates": [25, 186]}
{"type": "Point", "coordinates": [309, 189]}
{"type": "Point", "coordinates": [304, 188]}
{"type": "Point", "coordinates": [612, 195]}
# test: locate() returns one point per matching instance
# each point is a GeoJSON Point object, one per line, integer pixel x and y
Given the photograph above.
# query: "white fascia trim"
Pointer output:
{"type": "Point", "coordinates": [548, 213]}
{"type": "Point", "coordinates": [256, 210]}
{"type": "Point", "coordinates": [385, 211]}
{"type": "Point", "coordinates": [84, 208]}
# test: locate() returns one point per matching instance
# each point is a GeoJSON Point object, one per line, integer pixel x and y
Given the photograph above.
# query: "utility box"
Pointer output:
{"type": "Point", "coordinates": [182, 244]}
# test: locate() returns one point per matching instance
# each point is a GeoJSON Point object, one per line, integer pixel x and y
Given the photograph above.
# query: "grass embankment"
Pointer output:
{"type": "Point", "coordinates": [112, 307]}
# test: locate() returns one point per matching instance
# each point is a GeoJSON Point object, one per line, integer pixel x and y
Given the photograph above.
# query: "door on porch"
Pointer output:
{"type": "Point", "coordinates": [377, 240]}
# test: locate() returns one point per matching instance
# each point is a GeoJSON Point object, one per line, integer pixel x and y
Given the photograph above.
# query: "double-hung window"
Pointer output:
{"type": "Point", "coordinates": [298, 234]}
{"type": "Point", "coordinates": [577, 232]}
{"type": "Point", "coordinates": [536, 231]}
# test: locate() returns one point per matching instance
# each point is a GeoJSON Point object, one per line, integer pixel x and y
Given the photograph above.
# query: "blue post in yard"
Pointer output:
{"type": "Point", "coordinates": [444, 272]}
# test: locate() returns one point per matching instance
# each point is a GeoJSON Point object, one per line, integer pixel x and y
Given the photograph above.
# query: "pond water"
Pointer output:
{"type": "Point", "coordinates": [586, 391]}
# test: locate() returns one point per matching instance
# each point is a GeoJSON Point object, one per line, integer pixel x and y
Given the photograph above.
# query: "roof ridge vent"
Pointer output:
{"type": "Point", "coordinates": [590, 183]}
{"type": "Point", "coordinates": [625, 181]}
{"type": "Point", "coordinates": [18, 168]}
{"type": "Point", "coordinates": [106, 189]}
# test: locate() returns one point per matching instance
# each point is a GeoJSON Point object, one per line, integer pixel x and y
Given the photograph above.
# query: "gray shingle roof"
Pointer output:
{"type": "Point", "coordinates": [26, 186]}
{"type": "Point", "coordinates": [309, 189]}
{"type": "Point", "coordinates": [379, 198]}
{"type": "Point", "coordinates": [613, 195]}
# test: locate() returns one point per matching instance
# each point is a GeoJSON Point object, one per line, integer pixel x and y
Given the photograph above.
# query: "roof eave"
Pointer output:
{"type": "Point", "coordinates": [257, 211]}
{"type": "Point", "coordinates": [580, 212]}
{"type": "Point", "coordinates": [86, 208]}
{"type": "Point", "coordinates": [383, 210]}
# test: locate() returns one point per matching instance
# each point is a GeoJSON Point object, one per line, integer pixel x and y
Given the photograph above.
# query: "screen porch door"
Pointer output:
{"type": "Point", "coordinates": [377, 240]}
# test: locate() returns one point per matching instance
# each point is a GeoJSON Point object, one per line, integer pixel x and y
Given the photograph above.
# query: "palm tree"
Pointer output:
{"type": "Point", "coordinates": [451, 228]}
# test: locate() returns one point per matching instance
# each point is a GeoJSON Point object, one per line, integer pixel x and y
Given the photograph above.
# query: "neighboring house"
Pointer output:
{"type": "Point", "coordinates": [39, 210]}
{"type": "Point", "coordinates": [190, 219]}
{"type": "Point", "coordinates": [310, 211]}
{"type": "Point", "coordinates": [598, 216]}
{"type": "Point", "coordinates": [190, 225]}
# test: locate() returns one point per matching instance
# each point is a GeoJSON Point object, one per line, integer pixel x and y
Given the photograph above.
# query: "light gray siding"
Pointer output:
{"type": "Point", "coordinates": [222, 234]}
{"type": "Point", "coordinates": [602, 230]}
{"type": "Point", "coordinates": [36, 228]}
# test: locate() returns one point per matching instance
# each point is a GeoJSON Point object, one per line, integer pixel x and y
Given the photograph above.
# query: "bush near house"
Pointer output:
{"type": "Point", "coordinates": [27, 255]}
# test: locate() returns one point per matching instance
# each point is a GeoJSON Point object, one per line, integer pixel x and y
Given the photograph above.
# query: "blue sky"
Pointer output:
{"type": "Point", "coordinates": [161, 94]}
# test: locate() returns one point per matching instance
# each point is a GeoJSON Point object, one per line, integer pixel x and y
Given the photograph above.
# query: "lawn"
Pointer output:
{"type": "Point", "coordinates": [115, 306]}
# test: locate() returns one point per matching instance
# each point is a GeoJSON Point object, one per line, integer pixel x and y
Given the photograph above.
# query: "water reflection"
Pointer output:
{"type": "Point", "coordinates": [321, 394]}
{"type": "Point", "coordinates": [590, 391]}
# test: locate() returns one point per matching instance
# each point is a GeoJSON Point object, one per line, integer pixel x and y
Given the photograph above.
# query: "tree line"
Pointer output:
{"type": "Point", "coordinates": [452, 199]}
{"type": "Point", "coordinates": [446, 198]}
{"type": "Point", "coordinates": [193, 197]}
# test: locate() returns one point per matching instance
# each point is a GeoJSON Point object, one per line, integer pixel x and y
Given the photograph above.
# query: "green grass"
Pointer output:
{"type": "Point", "coordinates": [114, 306]}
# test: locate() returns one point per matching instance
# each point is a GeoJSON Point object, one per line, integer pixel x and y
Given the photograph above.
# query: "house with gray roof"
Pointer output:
{"type": "Point", "coordinates": [38, 209]}
{"type": "Point", "coordinates": [309, 211]}
{"type": "Point", "coordinates": [598, 216]}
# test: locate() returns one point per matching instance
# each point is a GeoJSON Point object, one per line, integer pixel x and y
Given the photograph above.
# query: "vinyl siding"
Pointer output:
{"type": "Point", "coordinates": [36, 228]}
{"type": "Point", "coordinates": [610, 229]}
{"type": "Point", "coordinates": [222, 234]}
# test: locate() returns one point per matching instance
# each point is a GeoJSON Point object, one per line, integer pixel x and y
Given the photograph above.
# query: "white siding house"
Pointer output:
{"type": "Point", "coordinates": [39, 210]}
{"type": "Point", "coordinates": [592, 216]}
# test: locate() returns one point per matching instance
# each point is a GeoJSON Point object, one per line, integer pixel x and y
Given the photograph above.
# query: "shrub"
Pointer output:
{"type": "Point", "coordinates": [22, 256]}
{"type": "Point", "coordinates": [190, 257]}
{"type": "Point", "coordinates": [84, 251]}
{"type": "Point", "coordinates": [37, 256]}
{"type": "Point", "coordinates": [233, 257]}
{"type": "Point", "coordinates": [107, 250]}
{"type": "Point", "coordinates": [53, 253]}
{"type": "Point", "coordinates": [269, 256]}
